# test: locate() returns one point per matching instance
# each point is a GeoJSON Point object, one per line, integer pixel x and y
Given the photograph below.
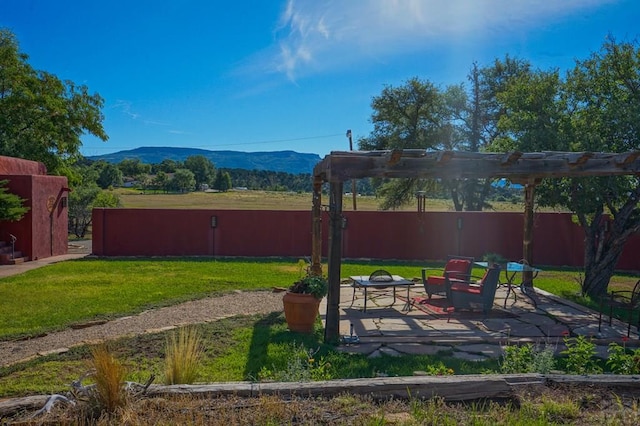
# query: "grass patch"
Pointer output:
{"type": "Point", "coordinates": [233, 349]}
{"type": "Point", "coordinates": [90, 289]}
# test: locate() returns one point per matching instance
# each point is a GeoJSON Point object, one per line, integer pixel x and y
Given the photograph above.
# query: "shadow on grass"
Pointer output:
{"type": "Point", "coordinates": [272, 331]}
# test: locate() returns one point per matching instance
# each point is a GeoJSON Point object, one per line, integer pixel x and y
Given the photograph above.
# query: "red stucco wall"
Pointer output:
{"type": "Point", "coordinates": [41, 232]}
{"type": "Point", "coordinates": [378, 235]}
{"type": "Point", "coordinates": [18, 166]}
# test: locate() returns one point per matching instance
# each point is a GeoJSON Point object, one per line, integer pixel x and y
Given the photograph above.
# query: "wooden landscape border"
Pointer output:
{"type": "Point", "coordinates": [450, 388]}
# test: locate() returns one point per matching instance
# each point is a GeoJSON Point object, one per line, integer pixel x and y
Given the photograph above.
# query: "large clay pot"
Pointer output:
{"type": "Point", "coordinates": [301, 311]}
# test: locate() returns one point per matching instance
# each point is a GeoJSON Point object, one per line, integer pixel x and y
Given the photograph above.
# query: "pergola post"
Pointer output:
{"type": "Point", "coordinates": [332, 328]}
{"type": "Point", "coordinates": [316, 228]}
{"type": "Point", "coordinates": [527, 234]}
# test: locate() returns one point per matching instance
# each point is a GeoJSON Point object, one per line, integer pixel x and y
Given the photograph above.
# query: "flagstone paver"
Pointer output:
{"type": "Point", "coordinates": [425, 332]}
{"type": "Point", "coordinates": [419, 349]}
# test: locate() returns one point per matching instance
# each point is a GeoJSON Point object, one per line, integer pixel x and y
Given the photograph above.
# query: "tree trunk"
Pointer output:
{"type": "Point", "coordinates": [604, 243]}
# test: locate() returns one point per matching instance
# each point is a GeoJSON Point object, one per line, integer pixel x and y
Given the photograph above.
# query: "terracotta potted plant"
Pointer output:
{"type": "Point", "coordinates": [301, 302]}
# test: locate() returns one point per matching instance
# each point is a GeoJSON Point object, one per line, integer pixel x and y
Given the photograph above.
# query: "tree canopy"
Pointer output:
{"type": "Point", "coordinates": [42, 118]}
{"type": "Point", "coordinates": [595, 107]}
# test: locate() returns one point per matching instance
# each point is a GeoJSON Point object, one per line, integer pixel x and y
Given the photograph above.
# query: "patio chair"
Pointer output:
{"type": "Point", "coordinates": [458, 268]}
{"type": "Point", "coordinates": [470, 294]}
{"type": "Point", "coordinates": [627, 303]}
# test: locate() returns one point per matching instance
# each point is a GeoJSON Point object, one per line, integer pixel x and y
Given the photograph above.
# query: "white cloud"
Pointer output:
{"type": "Point", "coordinates": [312, 35]}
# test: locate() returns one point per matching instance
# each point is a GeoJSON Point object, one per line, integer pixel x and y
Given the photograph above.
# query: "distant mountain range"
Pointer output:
{"type": "Point", "coordinates": [277, 161]}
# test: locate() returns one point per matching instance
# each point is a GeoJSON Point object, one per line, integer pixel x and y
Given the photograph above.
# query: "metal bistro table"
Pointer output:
{"type": "Point", "coordinates": [511, 270]}
{"type": "Point", "coordinates": [364, 282]}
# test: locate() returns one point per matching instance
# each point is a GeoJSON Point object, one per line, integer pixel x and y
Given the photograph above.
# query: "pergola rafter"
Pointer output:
{"type": "Point", "coordinates": [526, 168]}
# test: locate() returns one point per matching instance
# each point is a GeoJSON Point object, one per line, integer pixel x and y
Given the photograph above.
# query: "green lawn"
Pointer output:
{"type": "Point", "coordinates": [240, 348]}
{"type": "Point", "coordinates": [60, 294]}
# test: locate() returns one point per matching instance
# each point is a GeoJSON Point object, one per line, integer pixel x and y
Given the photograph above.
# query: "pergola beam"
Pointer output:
{"type": "Point", "coordinates": [342, 166]}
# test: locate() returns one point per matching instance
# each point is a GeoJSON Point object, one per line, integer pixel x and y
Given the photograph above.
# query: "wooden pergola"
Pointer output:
{"type": "Point", "coordinates": [519, 167]}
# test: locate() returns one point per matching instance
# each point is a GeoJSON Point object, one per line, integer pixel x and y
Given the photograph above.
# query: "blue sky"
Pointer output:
{"type": "Point", "coordinates": [258, 75]}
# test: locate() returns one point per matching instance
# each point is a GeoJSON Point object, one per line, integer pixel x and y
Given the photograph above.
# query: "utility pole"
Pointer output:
{"type": "Point", "coordinates": [354, 191]}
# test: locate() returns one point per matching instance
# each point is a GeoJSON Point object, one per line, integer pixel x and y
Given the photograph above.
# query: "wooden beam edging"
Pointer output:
{"type": "Point", "coordinates": [451, 388]}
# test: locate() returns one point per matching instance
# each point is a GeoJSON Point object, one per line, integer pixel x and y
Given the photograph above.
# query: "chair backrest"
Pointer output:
{"type": "Point", "coordinates": [459, 268]}
{"type": "Point", "coordinates": [489, 283]}
{"type": "Point", "coordinates": [635, 294]}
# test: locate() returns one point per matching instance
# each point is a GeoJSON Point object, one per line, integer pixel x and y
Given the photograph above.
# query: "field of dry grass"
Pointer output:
{"type": "Point", "coordinates": [265, 200]}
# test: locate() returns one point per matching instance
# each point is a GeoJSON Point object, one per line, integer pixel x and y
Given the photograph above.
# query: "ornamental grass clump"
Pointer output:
{"type": "Point", "coordinates": [183, 356]}
{"type": "Point", "coordinates": [109, 375]}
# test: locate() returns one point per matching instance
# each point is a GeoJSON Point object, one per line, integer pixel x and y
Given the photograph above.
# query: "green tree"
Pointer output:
{"type": "Point", "coordinates": [202, 168]}
{"type": "Point", "coordinates": [222, 181]}
{"type": "Point", "coordinates": [41, 117]}
{"type": "Point", "coordinates": [109, 176]}
{"type": "Point", "coordinates": [183, 181]}
{"type": "Point", "coordinates": [11, 206]}
{"type": "Point", "coordinates": [82, 200]}
{"type": "Point", "coordinates": [410, 116]}
{"type": "Point", "coordinates": [596, 108]}
{"type": "Point", "coordinates": [132, 167]}
{"type": "Point", "coordinates": [167, 166]}
{"type": "Point", "coordinates": [476, 114]}
{"type": "Point", "coordinates": [160, 181]}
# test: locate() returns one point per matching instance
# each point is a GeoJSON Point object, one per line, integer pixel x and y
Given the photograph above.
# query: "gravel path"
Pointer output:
{"type": "Point", "coordinates": [193, 312]}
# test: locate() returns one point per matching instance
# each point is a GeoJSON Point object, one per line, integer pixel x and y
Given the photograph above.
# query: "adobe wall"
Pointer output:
{"type": "Point", "coordinates": [18, 166]}
{"type": "Point", "coordinates": [377, 235]}
{"type": "Point", "coordinates": [42, 232]}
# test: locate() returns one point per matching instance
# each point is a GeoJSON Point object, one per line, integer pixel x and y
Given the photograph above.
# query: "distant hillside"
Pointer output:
{"type": "Point", "coordinates": [277, 161]}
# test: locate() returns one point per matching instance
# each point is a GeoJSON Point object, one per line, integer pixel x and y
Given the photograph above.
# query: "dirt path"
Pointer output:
{"type": "Point", "coordinates": [193, 312]}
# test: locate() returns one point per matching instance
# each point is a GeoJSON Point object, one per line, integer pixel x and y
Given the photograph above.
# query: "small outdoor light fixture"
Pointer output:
{"type": "Point", "coordinates": [214, 221]}
{"type": "Point", "coordinates": [459, 221]}
{"type": "Point", "coordinates": [344, 222]}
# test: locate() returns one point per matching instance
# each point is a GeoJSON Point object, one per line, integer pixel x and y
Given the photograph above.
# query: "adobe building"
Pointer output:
{"type": "Point", "coordinates": [42, 232]}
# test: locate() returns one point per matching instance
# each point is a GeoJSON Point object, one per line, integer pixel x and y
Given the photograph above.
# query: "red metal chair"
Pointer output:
{"type": "Point", "coordinates": [472, 294]}
{"type": "Point", "coordinates": [458, 268]}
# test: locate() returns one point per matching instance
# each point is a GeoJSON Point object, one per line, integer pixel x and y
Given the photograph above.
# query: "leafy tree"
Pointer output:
{"type": "Point", "coordinates": [11, 206]}
{"type": "Point", "coordinates": [82, 200]}
{"type": "Point", "coordinates": [202, 168]}
{"type": "Point", "coordinates": [222, 181]}
{"type": "Point", "coordinates": [167, 165]}
{"type": "Point", "coordinates": [109, 176]}
{"type": "Point", "coordinates": [183, 181]}
{"type": "Point", "coordinates": [107, 199]}
{"type": "Point", "coordinates": [476, 114]}
{"type": "Point", "coordinates": [132, 167]}
{"type": "Point", "coordinates": [80, 204]}
{"type": "Point", "coordinates": [596, 108]}
{"type": "Point", "coordinates": [160, 181]}
{"type": "Point", "coordinates": [411, 116]}
{"type": "Point", "coordinates": [41, 117]}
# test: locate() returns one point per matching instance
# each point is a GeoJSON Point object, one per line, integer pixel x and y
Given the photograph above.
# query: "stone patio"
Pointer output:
{"type": "Point", "coordinates": [387, 328]}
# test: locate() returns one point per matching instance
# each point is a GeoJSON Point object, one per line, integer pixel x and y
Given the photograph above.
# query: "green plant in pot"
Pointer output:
{"type": "Point", "coordinates": [302, 300]}
{"type": "Point", "coordinates": [494, 259]}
